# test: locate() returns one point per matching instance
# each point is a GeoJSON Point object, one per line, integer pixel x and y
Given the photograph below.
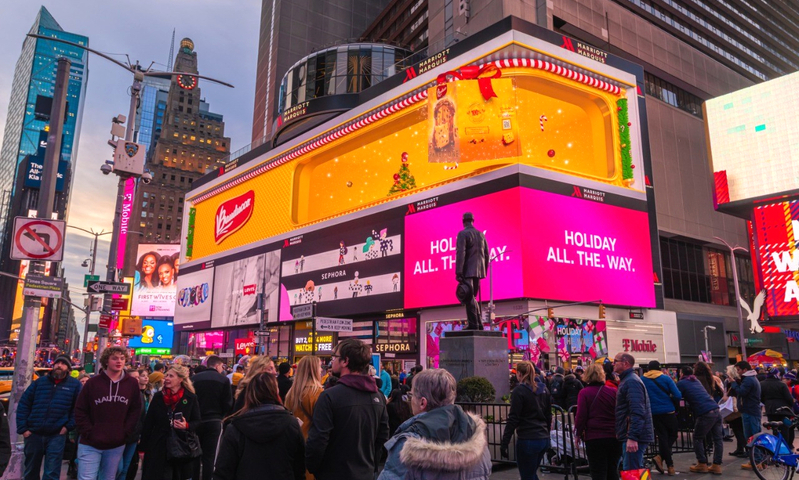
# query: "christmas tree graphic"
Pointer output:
{"type": "Point", "coordinates": [403, 180]}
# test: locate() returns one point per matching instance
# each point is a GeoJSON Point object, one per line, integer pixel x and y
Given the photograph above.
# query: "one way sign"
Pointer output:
{"type": "Point", "coordinates": [109, 287]}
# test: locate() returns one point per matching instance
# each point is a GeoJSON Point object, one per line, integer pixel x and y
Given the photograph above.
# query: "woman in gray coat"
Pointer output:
{"type": "Point", "coordinates": [440, 441]}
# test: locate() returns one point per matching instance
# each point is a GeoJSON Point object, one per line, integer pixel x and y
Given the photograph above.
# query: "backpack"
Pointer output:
{"type": "Point", "coordinates": [556, 389]}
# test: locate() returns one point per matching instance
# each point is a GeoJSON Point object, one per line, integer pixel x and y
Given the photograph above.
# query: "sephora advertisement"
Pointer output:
{"type": "Point", "coordinates": [542, 245]}
{"type": "Point", "coordinates": [154, 284]}
{"type": "Point", "coordinates": [237, 286]}
{"type": "Point", "coordinates": [193, 303]}
{"type": "Point", "coordinates": [352, 268]}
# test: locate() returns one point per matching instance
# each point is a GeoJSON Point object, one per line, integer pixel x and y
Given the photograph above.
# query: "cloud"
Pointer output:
{"type": "Point", "coordinates": [225, 34]}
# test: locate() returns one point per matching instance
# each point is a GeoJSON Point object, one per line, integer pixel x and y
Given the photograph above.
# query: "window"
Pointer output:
{"type": "Point", "coordinates": [673, 95]}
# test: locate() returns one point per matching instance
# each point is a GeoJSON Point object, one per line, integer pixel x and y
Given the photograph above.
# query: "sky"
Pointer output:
{"type": "Point", "coordinates": [225, 35]}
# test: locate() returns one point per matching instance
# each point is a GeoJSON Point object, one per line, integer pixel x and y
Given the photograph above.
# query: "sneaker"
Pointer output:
{"type": "Point", "coordinates": [658, 463]}
{"type": "Point", "coordinates": [746, 466]}
{"type": "Point", "coordinates": [671, 471]}
{"type": "Point", "coordinates": [699, 468]}
{"type": "Point", "coordinates": [715, 469]}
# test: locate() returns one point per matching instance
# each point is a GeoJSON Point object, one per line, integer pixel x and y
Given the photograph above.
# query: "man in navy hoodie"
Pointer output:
{"type": "Point", "coordinates": [44, 416]}
{"type": "Point", "coordinates": [106, 414]}
{"type": "Point", "coordinates": [708, 421]}
{"type": "Point", "coordinates": [350, 421]}
{"type": "Point", "coordinates": [747, 389]}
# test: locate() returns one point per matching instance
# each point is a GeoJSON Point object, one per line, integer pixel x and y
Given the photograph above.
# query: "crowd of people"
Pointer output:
{"type": "Point", "coordinates": [257, 422]}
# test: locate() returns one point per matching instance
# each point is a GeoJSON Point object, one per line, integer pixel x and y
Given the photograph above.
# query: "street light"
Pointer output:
{"type": "Point", "coordinates": [707, 347]}
{"type": "Point", "coordinates": [737, 292]}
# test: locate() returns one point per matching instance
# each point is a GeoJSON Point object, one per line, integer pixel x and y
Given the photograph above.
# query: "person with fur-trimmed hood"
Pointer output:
{"type": "Point", "coordinates": [440, 441]}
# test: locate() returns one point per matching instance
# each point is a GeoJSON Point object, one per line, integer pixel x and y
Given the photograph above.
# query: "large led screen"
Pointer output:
{"type": "Point", "coordinates": [355, 267]}
{"type": "Point", "coordinates": [544, 245]}
{"type": "Point", "coordinates": [195, 292]}
{"type": "Point", "coordinates": [154, 283]}
{"type": "Point", "coordinates": [754, 140]}
{"type": "Point", "coordinates": [775, 234]}
{"type": "Point", "coordinates": [237, 286]}
{"type": "Point", "coordinates": [154, 334]}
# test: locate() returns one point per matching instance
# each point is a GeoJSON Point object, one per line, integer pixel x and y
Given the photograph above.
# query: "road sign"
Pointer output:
{"type": "Point", "coordinates": [38, 239]}
{"type": "Point", "coordinates": [119, 304]}
{"type": "Point", "coordinates": [90, 278]}
{"type": "Point", "coordinates": [105, 321]}
{"type": "Point", "coordinates": [302, 311]}
{"type": "Point", "coordinates": [109, 287]}
{"type": "Point", "coordinates": [325, 324]}
{"type": "Point", "coordinates": [41, 286]}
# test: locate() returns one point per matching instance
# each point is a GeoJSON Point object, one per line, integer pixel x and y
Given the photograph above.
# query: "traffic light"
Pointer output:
{"type": "Point", "coordinates": [550, 313]}
{"type": "Point", "coordinates": [601, 311]}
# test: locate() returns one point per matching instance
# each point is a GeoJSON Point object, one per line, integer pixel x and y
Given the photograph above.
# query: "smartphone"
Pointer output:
{"type": "Point", "coordinates": [178, 417]}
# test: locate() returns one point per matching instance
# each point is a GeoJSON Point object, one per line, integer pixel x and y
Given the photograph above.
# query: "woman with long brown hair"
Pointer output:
{"type": "Point", "coordinates": [265, 434]}
{"type": "Point", "coordinates": [303, 394]}
{"type": "Point", "coordinates": [257, 365]}
{"type": "Point", "coordinates": [174, 407]}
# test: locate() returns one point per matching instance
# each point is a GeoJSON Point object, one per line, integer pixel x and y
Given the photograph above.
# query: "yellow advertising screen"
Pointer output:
{"type": "Point", "coordinates": [537, 119]}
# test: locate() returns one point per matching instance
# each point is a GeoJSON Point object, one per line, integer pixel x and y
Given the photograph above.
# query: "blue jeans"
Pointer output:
{"type": "Point", "coordinates": [124, 464]}
{"type": "Point", "coordinates": [633, 460]}
{"type": "Point", "coordinates": [529, 454]}
{"type": "Point", "coordinates": [47, 447]}
{"type": "Point", "coordinates": [751, 425]}
{"type": "Point", "coordinates": [96, 464]}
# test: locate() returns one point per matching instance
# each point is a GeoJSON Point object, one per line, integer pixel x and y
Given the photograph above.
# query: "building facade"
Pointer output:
{"type": "Point", "coordinates": [289, 31]}
{"type": "Point", "coordinates": [25, 141]}
{"type": "Point", "coordinates": [149, 117]}
{"type": "Point", "coordinates": [186, 140]}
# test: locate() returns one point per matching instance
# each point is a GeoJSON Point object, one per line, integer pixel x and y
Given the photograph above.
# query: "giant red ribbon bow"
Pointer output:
{"type": "Point", "coordinates": [474, 73]}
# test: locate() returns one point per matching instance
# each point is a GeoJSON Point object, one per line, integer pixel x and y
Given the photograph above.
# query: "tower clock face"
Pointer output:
{"type": "Point", "coordinates": [187, 82]}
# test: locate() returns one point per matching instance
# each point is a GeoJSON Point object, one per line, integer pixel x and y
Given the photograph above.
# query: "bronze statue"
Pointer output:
{"type": "Point", "coordinates": [471, 264]}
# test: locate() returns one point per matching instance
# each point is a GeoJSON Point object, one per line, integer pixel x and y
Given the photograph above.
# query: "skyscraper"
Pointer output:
{"type": "Point", "coordinates": [185, 140]}
{"type": "Point", "coordinates": [26, 139]}
{"type": "Point", "coordinates": [290, 31]}
{"type": "Point", "coordinates": [148, 118]}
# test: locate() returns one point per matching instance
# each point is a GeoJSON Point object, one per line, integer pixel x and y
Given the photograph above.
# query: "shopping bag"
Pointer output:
{"type": "Point", "coordinates": [726, 408]}
{"type": "Point", "coordinates": [640, 474]}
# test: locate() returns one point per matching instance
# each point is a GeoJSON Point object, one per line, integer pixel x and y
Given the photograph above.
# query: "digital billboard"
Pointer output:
{"type": "Point", "coordinates": [194, 295]}
{"type": "Point", "coordinates": [544, 245]}
{"type": "Point", "coordinates": [775, 234]}
{"type": "Point", "coordinates": [237, 285]}
{"type": "Point", "coordinates": [355, 267]}
{"type": "Point", "coordinates": [154, 283]}
{"type": "Point", "coordinates": [157, 334]}
{"type": "Point", "coordinates": [753, 139]}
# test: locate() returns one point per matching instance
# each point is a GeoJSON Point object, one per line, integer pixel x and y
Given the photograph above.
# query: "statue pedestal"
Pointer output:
{"type": "Point", "coordinates": [476, 353]}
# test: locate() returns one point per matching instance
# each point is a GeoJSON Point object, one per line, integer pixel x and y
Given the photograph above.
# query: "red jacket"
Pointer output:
{"type": "Point", "coordinates": [596, 412]}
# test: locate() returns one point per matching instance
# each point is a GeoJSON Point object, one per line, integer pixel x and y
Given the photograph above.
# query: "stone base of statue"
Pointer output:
{"type": "Point", "coordinates": [476, 353]}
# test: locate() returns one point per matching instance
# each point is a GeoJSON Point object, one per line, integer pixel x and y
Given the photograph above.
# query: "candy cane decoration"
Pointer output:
{"type": "Point", "coordinates": [451, 167]}
{"type": "Point", "coordinates": [541, 120]}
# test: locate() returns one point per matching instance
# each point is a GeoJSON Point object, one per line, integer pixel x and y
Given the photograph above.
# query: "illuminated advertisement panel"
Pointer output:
{"type": "Point", "coordinates": [193, 302]}
{"type": "Point", "coordinates": [154, 284]}
{"type": "Point", "coordinates": [237, 285]}
{"type": "Point", "coordinates": [154, 334]}
{"type": "Point", "coordinates": [355, 267]}
{"type": "Point", "coordinates": [545, 245]}
{"type": "Point", "coordinates": [753, 137]}
{"type": "Point", "coordinates": [775, 228]}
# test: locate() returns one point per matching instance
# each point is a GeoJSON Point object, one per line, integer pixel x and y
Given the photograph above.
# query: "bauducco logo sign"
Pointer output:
{"type": "Point", "coordinates": [232, 215]}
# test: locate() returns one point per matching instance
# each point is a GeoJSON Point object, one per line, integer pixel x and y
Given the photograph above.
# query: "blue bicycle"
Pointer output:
{"type": "Point", "coordinates": [770, 455]}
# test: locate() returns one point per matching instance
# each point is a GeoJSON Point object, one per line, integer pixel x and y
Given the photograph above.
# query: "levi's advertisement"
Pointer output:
{"type": "Point", "coordinates": [355, 267]}
{"type": "Point", "coordinates": [193, 305]}
{"type": "Point", "coordinates": [543, 245]}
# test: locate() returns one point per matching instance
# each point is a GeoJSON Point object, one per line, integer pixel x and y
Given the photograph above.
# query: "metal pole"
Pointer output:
{"type": "Point", "coordinates": [707, 347]}
{"type": "Point", "coordinates": [737, 293]}
{"type": "Point", "coordinates": [91, 297]}
{"type": "Point", "coordinates": [26, 343]}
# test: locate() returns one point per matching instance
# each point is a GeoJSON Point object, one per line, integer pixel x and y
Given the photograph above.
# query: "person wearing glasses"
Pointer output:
{"type": "Point", "coordinates": [633, 413]}
{"type": "Point", "coordinates": [350, 421]}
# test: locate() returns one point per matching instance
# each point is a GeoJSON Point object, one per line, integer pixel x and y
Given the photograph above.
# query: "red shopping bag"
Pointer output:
{"type": "Point", "coordinates": [640, 474]}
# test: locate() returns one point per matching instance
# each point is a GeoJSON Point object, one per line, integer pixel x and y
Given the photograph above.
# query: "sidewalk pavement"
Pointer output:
{"type": "Point", "coordinates": [731, 470]}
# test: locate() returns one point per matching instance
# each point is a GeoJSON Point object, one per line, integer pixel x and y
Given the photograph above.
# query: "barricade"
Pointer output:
{"type": "Point", "coordinates": [685, 433]}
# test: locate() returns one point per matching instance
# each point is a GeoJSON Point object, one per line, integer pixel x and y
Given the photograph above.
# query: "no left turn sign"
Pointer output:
{"type": "Point", "coordinates": [38, 239]}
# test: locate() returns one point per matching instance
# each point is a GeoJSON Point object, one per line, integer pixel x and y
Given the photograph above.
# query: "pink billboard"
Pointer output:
{"type": "Point", "coordinates": [127, 211]}
{"type": "Point", "coordinates": [546, 245]}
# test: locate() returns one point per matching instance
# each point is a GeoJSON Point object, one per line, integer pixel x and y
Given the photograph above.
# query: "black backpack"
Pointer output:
{"type": "Point", "coordinates": [556, 389]}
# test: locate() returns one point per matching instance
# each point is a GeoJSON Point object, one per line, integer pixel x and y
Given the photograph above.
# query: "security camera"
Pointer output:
{"type": "Point", "coordinates": [146, 177]}
{"type": "Point", "coordinates": [106, 168]}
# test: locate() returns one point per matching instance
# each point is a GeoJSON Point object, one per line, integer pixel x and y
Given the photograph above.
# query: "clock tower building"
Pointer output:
{"type": "Point", "coordinates": [188, 141]}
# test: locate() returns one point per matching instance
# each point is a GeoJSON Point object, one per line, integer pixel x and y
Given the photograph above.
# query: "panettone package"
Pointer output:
{"type": "Point", "coordinates": [465, 127]}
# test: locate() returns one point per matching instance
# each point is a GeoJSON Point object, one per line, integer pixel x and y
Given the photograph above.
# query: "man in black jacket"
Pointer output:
{"type": "Point", "coordinates": [283, 380]}
{"type": "Point", "coordinates": [216, 399]}
{"type": "Point", "coordinates": [350, 421]}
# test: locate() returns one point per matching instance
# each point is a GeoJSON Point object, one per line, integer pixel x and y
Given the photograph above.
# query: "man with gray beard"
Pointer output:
{"type": "Point", "coordinates": [44, 416]}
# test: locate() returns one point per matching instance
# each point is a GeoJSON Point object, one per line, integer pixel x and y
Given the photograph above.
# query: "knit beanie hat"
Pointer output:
{"type": "Point", "coordinates": [65, 360]}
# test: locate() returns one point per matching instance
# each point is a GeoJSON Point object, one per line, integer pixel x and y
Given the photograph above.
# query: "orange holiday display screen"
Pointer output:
{"type": "Point", "coordinates": [537, 119]}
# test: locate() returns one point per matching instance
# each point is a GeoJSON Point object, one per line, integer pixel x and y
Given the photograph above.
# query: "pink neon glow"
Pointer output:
{"type": "Point", "coordinates": [548, 246]}
{"type": "Point", "coordinates": [127, 211]}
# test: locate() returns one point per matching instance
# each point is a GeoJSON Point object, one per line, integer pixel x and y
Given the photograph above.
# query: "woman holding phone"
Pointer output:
{"type": "Point", "coordinates": [174, 407]}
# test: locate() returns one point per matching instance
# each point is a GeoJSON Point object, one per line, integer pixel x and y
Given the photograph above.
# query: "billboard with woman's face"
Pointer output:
{"type": "Point", "coordinates": [155, 280]}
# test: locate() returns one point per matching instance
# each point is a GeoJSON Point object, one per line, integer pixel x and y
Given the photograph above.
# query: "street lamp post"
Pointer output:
{"type": "Point", "coordinates": [707, 345]}
{"type": "Point", "coordinates": [737, 292]}
{"type": "Point", "coordinates": [91, 272]}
